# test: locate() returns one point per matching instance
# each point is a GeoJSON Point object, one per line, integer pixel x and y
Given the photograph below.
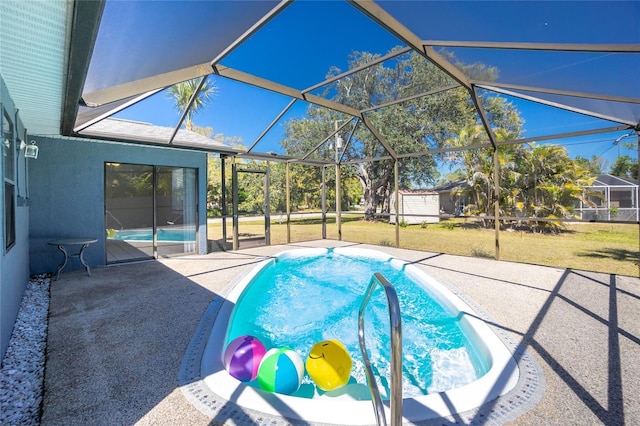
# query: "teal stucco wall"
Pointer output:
{"type": "Point", "coordinates": [14, 261]}
{"type": "Point", "coordinates": [67, 193]}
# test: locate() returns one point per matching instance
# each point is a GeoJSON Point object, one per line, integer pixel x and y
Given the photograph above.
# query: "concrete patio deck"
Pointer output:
{"type": "Point", "coordinates": [117, 339]}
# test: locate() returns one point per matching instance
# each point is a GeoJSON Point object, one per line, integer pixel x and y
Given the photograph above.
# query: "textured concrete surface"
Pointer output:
{"type": "Point", "coordinates": [116, 339]}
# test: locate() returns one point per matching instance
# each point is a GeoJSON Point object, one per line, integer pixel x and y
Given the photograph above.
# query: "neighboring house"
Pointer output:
{"type": "Point", "coordinates": [453, 197]}
{"type": "Point", "coordinates": [416, 206]}
{"type": "Point", "coordinates": [613, 198]}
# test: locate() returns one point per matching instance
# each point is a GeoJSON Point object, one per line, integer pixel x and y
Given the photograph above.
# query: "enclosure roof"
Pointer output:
{"type": "Point", "coordinates": [267, 58]}
{"type": "Point", "coordinates": [610, 180]}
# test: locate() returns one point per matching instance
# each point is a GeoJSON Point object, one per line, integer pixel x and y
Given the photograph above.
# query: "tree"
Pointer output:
{"type": "Point", "coordinates": [415, 125]}
{"type": "Point", "coordinates": [181, 94]}
{"type": "Point", "coordinates": [626, 167]}
{"type": "Point", "coordinates": [301, 137]}
{"type": "Point", "coordinates": [477, 165]}
{"type": "Point", "coordinates": [596, 165]}
{"type": "Point", "coordinates": [551, 183]}
{"type": "Point", "coordinates": [534, 181]}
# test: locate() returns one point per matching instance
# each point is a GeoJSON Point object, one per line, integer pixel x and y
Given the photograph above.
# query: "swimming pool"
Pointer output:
{"type": "Point", "coordinates": [497, 372]}
{"type": "Point", "coordinates": [294, 302]}
{"type": "Point", "coordinates": [146, 235]}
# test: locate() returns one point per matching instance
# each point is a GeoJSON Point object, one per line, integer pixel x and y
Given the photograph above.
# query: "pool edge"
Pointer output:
{"type": "Point", "coordinates": [527, 391]}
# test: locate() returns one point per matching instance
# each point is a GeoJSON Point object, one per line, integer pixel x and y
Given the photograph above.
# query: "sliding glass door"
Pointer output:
{"type": "Point", "coordinates": [176, 210]}
{"type": "Point", "coordinates": [150, 211]}
{"type": "Point", "coordinates": [129, 212]}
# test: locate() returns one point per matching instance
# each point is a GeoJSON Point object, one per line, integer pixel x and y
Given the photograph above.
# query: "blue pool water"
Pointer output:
{"type": "Point", "coordinates": [298, 301]}
{"type": "Point", "coordinates": [168, 235]}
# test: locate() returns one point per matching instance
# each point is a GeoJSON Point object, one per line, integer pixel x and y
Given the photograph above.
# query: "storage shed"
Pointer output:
{"type": "Point", "coordinates": [416, 206]}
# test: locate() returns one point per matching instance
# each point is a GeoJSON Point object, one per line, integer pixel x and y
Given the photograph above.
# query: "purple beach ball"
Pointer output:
{"type": "Point", "coordinates": [243, 356]}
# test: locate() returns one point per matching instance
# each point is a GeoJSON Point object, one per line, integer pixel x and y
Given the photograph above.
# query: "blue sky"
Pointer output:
{"type": "Point", "coordinates": [298, 47]}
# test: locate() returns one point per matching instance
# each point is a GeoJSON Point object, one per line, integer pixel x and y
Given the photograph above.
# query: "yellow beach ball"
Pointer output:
{"type": "Point", "coordinates": [329, 365]}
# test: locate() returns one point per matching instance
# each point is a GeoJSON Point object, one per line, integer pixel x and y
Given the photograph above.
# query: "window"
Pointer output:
{"type": "Point", "coordinates": [8, 163]}
{"type": "Point", "coordinates": [9, 215]}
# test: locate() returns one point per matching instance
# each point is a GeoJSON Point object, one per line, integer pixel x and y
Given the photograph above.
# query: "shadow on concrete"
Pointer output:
{"type": "Point", "coordinates": [608, 345]}
{"type": "Point", "coordinates": [117, 340]}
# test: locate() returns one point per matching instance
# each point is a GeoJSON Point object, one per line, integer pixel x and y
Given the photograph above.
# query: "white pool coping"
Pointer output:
{"type": "Point", "coordinates": [501, 377]}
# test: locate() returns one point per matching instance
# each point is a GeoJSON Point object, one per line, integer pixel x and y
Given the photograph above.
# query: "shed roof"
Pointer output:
{"type": "Point", "coordinates": [417, 192]}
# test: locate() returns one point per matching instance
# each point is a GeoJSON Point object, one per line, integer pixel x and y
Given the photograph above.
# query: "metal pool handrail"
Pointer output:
{"type": "Point", "coordinates": [396, 352]}
{"type": "Point", "coordinates": [115, 218]}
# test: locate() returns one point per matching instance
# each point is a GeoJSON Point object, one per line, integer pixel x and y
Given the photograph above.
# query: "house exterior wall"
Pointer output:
{"type": "Point", "coordinates": [447, 202]}
{"type": "Point", "coordinates": [14, 262]}
{"type": "Point", "coordinates": [452, 203]}
{"type": "Point", "coordinates": [67, 193]}
{"type": "Point", "coordinates": [454, 197]}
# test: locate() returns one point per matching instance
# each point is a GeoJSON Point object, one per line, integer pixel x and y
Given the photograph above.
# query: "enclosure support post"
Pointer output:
{"type": "Point", "coordinates": [223, 179]}
{"type": "Point", "coordinates": [288, 201]}
{"type": "Point", "coordinates": [155, 213]}
{"type": "Point", "coordinates": [638, 201]}
{"type": "Point", "coordinates": [234, 184]}
{"type": "Point", "coordinates": [338, 203]}
{"type": "Point", "coordinates": [496, 210]}
{"type": "Point", "coordinates": [267, 205]}
{"type": "Point", "coordinates": [397, 201]}
{"type": "Point", "coordinates": [338, 196]}
{"type": "Point", "coordinates": [324, 203]}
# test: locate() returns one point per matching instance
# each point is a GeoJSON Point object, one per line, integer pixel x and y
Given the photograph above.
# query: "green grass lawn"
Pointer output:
{"type": "Point", "coordinates": [610, 248]}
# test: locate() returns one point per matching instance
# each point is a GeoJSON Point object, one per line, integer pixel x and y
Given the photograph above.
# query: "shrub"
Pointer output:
{"type": "Point", "coordinates": [479, 252]}
{"type": "Point", "coordinates": [449, 225]}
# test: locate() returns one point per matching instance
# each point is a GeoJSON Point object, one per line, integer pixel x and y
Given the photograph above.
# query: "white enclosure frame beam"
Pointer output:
{"type": "Point", "coordinates": [495, 86]}
{"type": "Point", "coordinates": [562, 47]}
{"type": "Point", "coordinates": [391, 24]}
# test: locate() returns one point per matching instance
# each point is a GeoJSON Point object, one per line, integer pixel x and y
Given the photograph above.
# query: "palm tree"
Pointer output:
{"type": "Point", "coordinates": [562, 181]}
{"type": "Point", "coordinates": [181, 93]}
{"type": "Point", "coordinates": [549, 183]}
{"type": "Point", "coordinates": [478, 165]}
{"type": "Point", "coordinates": [538, 180]}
